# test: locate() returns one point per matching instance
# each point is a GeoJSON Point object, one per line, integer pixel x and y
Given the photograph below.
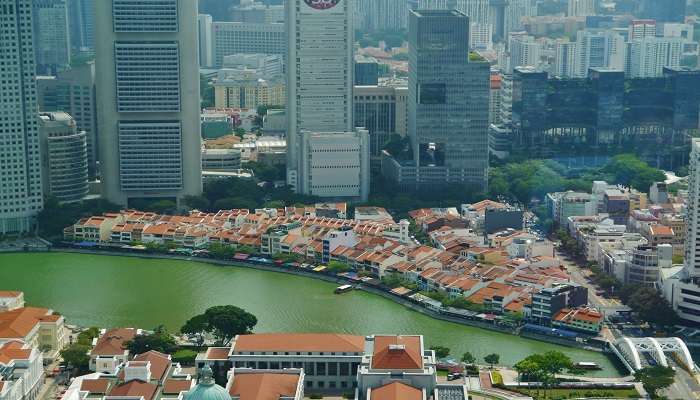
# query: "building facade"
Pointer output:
{"type": "Point", "coordinates": [64, 160]}
{"type": "Point", "coordinates": [148, 100]}
{"type": "Point", "coordinates": [246, 37]}
{"type": "Point", "coordinates": [206, 42]}
{"type": "Point", "coordinates": [20, 161]}
{"type": "Point", "coordinates": [319, 99]}
{"type": "Point", "coordinates": [51, 39]}
{"type": "Point", "coordinates": [81, 22]}
{"type": "Point", "coordinates": [448, 101]}
{"type": "Point", "coordinates": [73, 91]}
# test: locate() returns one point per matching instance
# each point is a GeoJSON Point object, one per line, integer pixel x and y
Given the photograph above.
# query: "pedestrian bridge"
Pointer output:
{"type": "Point", "coordinates": [642, 352]}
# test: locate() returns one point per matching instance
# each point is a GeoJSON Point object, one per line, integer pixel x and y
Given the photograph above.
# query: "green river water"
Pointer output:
{"type": "Point", "coordinates": [108, 291]}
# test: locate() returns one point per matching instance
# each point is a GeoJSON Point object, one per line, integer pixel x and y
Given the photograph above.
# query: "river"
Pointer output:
{"type": "Point", "coordinates": [110, 291]}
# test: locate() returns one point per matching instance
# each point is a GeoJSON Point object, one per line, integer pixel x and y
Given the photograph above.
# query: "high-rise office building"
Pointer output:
{"type": "Point", "coordinates": [598, 48]}
{"type": "Point", "coordinates": [514, 12]}
{"type": "Point", "coordinates": [448, 101]}
{"type": "Point", "coordinates": [206, 43]}
{"type": "Point", "coordinates": [381, 15]}
{"type": "Point", "coordinates": [524, 51]}
{"type": "Point", "coordinates": [242, 37]}
{"type": "Point", "coordinates": [20, 162]}
{"type": "Point", "coordinates": [148, 99]}
{"type": "Point", "coordinates": [320, 102]}
{"type": "Point", "coordinates": [81, 23]}
{"type": "Point", "coordinates": [73, 91]}
{"type": "Point", "coordinates": [51, 38]}
{"type": "Point", "coordinates": [64, 160]}
{"type": "Point", "coordinates": [581, 8]}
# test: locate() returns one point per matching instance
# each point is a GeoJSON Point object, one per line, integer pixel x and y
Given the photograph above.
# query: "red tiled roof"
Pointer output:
{"type": "Point", "coordinates": [135, 389]}
{"type": "Point", "coordinates": [18, 323]}
{"type": "Point", "coordinates": [264, 386]}
{"type": "Point", "coordinates": [396, 391]}
{"type": "Point", "coordinates": [175, 386]}
{"type": "Point", "coordinates": [397, 352]}
{"type": "Point", "coordinates": [113, 341]}
{"type": "Point", "coordinates": [326, 342]}
{"type": "Point", "coordinates": [98, 386]}
{"type": "Point", "coordinates": [218, 353]}
{"type": "Point", "coordinates": [160, 363]}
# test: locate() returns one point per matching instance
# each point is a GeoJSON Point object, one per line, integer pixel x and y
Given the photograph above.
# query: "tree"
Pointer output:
{"type": "Point", "coordinates": [655, 378]}
{"type": "Point", "coordinates": [468, 358]}
{"type": "Point", "coordinates": [197, 327]}
{"type": "Point", "coordinates": [76, 355]}
{"type": "Point", "coordinates": [527, 369]}
{"type": "Point", "coordinates": [160, 340]}
{"type": "Point", "coordinates": [492, 359]}
{"type": "Point", "coordinates": [440, 351]}
{"type": "Point", "coordinates": [196, 202]}
{"type": "Point", "coordinates": [85, 337]}
{"type": "Point", "coordinates": [224, 322]}
{"type": "Point", "coordinates": [338, 267]}
{"type": "Point", "coordinates": [652, 307]}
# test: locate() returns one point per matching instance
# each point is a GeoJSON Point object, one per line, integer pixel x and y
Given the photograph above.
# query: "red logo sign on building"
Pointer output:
{"type": "Point", "coordinates": [321, 4]}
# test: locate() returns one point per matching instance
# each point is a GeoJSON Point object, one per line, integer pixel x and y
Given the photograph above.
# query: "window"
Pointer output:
{"type": "Point", "coordinates": [432, 93]}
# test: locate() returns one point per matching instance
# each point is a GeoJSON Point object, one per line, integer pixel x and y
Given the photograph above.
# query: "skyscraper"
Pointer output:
{"type": "Point", "coordinates": [20, 162]}
{"type": "Point", "coordinates": [320, 101]}
{"type": "Point", "coordinates": [581, 8]}
{"type": "Point", "coordinates": [148, 99]}
{"type": "Point", "coordinates": [51, 38]}
{"type": "Point", "coordinates": [81, 23]}
{"type": "Point", "coordinates": [206, 43]}
{"type": "Point", "coordinates": [448, 100]}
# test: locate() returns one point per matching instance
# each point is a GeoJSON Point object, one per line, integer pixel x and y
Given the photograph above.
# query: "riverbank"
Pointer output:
{"type": "Point", "coordinates": [115, 291]}
{"type": "Point", "coordinates": [378, 290]}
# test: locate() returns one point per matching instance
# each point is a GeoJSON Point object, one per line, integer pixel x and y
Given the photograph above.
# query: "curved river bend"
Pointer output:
{"type": "Point", "coordinates": [109, 291]}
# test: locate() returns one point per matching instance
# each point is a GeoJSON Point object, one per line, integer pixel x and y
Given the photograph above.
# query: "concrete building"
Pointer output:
{"type": "Point", "coordinates": [647, 57]}
{"type": "Point", "coordinates": [243, 37]}
{"type": "Point", "coordinates": [581, 8]}
{"type": "Point", "coordinates": [81, 23]}
{"type": "Point", "coordinates": [222, 160]}
{"type": "Point", "coordinates": [265, 65]}
{"type": "Point", "coordinates": [335, 164]}
{"type": "Point", "coordinates": [109, 350]}
{"type": "Point", "coordinates": [245, 89]}
{"type": "Point", "coordinates": [36, 327]}
{"type": "Point", "coordinates": [51, 39]}
{"type": "Point", "coordinates": [549, 301]}
{"type": "Point", "coordinates": [206, 42]}
{"type": "Point", "coordinates": [257, 12]}
{"type": "Point", "coordinates": [73, 91]}
{"type": "Point", "coordinates": [20, 161]}
{"type": "Point", "coordinates": [658, 193]}
{"type": "Point", "coordinates": [64, 161]}
{"type": "Point", "coordinates": [524, 51]}
{"type": "Point", "coordinates": [148, 100]}
{"type": "Point", "coordinates": [319, 103]}
{"type": "Point", "coordinates": [448, 105]}
{"type": "Point", "coordinates": [514, 12]}
{"type": "Point", "coordinates": [23, 371]}
{"type": "Point", "coordinates": [641, 28]}
{"type": "Point", "coordinates": [11, 300]}
{"type": "Point", "coordinates": [646, 262]}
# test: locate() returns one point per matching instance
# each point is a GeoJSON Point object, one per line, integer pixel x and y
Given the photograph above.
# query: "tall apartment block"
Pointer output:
{"type": "Point", "coordinates": [148, 99]}
{"type": "Point", "coordinates": [247, 37]}
{"type": "Point", "coordinates": [325, 156]}
{"type": "Point", "coordinates": [51, 38]}
{"type": "Point", "coordinates": [448, 105]}
{"type": "Point", "coordinates": [20, 162]}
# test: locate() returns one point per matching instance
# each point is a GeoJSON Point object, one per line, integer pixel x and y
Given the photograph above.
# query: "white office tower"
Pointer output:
{"type": "Point", "coordinates": [380, 15]}
{"type": "Point", "coordinates": [646, 58]}
{"type": "Point", "coordinates": [514, 12]}
{"type": "Point", "coordinates": [319, 93]}
{"type": "Point", "coordinates": [524, 51]}
{"type": "Point", "coordinates": [206, 43]}
{"type": "Point", "coordinates": [481, 36]}
{"type": "Point", "coordinates": [476, 10]}
{"type": "Point", "coordinates": [597, 48]}
{"type": "Point", "coordinates": [51, 40]}
{"type": "Point", "coordinates": [64, 157]}
{"type": "Point", "coordinates": [564, 58]}
{"type": "Point", "coordinates": [148, 99]}
{"type": "Point", "coordinates": [581, 8]}
{"type": "Point", "coordinates": [20, 168]}
{"type": "Point", "coordinates": [641, 28]}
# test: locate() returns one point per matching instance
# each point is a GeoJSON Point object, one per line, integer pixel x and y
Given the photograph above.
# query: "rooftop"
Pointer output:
{"type": "Point", "coordinates": [397, 352]}
{"type": "Point", "coordinates": [314, 342]}
{"type": "Point", "coordinates": [112, 342]}
{"type": "Point", "coordinates": [264, 385]}
{"type": "Point", "coordinates": [396, 391]}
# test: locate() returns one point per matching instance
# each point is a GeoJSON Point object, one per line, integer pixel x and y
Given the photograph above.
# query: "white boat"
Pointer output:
{"type": "Point", "coordinates": [343, 289]}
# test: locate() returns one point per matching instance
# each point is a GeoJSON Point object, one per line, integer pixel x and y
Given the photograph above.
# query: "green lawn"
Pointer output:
{"type": "Point", "coordinates": [556, 394]}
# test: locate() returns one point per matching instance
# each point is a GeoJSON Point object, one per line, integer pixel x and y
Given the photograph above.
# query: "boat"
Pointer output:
{"type": "Point", "coordinates": [343, 289]}
{"type": "Point", "coordinates": [587, 365]}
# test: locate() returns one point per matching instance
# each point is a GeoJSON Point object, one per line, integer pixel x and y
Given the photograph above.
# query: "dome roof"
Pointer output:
{"type": "Point", "coordinates": [206, 389]}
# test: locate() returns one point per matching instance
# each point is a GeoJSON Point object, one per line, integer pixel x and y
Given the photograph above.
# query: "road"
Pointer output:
{"type": "Point", "coordinates": [684, 387]}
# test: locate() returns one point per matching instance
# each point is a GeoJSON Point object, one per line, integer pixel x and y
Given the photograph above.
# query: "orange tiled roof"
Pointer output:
{"type": "Point", "coordinates": [14, 350]}
{"type": "Point", "coordinates": [10, 293]}
{"type": "Point", "coordinates": [135, 389]}
{"type": "Point", "coordinates": [218, 353]}
{"type": "Point", "coordinates": [98, 386]}
{"type": "Point", "coordinates": [18, 323]}
{"type": "Point", "coordinates": [160, 363]}
{"type": "Point", "coordinates": [396, 391]}
{"type": "Point", "coordinates": [326, 342]}
{"type": "Point", "coordinates": [113, 341]}
{"type": "Point", "coordinates": [175, 386]}
{"type": "Point", "coordinates": [264, 386]}
{"type": "Point", "coordinates": [397, 352]}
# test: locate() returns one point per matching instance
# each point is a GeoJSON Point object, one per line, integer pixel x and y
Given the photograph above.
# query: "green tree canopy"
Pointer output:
{"type": "Point", "coordinates": [468, 358]}
{"type": "Point", "coordinates": [76, 356]}
{"type": "Point", "coordinates": [655, 378]}
{"type": "Point", "coordinates": [196, 326]}
{"type": "Point", "coordinates": [160, 340]}
{"type": "Point", "coordinates": [440, 351]}
{"type": "Point", "coordinates": [223, 322]}
{"type": "Point", "coordinates": [492, 359]}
